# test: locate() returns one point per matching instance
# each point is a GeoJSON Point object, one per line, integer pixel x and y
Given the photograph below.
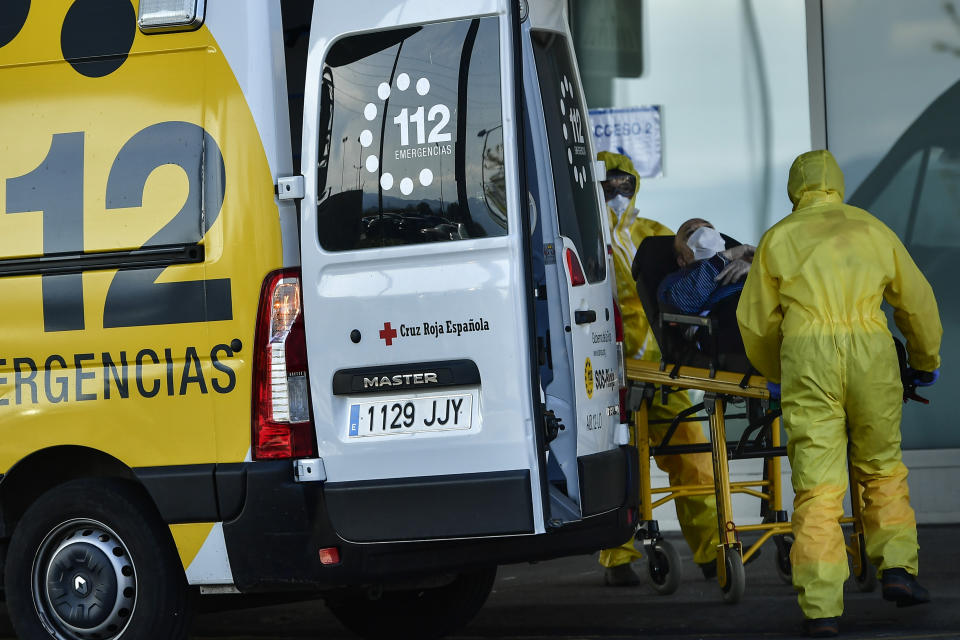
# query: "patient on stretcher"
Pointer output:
{"type": "Point", "coordinates": [693, 309]}
{"type": "Point", "coordinates": [709, 272]}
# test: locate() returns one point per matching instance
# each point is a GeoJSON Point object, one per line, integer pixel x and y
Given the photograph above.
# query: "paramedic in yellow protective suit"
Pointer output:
{"type": "Point", "coordinates": [698, 514]}
{"type": "Point", "coordinates": [811, 320]}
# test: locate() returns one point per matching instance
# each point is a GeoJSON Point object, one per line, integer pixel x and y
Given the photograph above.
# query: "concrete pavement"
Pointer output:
{"type": "Point", "coordinates": [566, 600]}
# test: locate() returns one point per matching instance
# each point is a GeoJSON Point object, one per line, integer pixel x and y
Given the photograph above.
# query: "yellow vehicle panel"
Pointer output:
{"type": "Point", "coordinates": [108, 157]}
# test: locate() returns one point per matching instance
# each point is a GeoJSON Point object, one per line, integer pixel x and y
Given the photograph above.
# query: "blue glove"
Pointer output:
{"type": "Point", "coordinates": [925, 378]}
{"type": "Point", "coordinates": [774, 389]}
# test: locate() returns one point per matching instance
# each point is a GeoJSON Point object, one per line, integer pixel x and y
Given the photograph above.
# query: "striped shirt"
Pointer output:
{"type": "Point", "coordinates": [694, 290]}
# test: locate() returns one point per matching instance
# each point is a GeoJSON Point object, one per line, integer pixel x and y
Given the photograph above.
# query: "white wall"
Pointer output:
{"type": "Point", "coordinates": [699, 65]}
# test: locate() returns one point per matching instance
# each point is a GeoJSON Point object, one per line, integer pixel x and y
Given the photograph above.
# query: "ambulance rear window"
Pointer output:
{"type": "Point", "coordinates": [578, 205]}
{"type": "Point", "coordinates": [411, 144]}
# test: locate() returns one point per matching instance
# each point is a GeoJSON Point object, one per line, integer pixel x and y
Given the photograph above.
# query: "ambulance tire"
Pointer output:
{"type": "Point", "coordinates": [113, 549]}
{"type": "Point", "coordinates": [418, 614]}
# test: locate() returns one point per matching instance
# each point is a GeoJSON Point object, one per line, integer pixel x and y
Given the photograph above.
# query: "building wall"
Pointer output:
{"type": "Point", "coordinates": [731, 79]}
{"type": "Point", "coordinates": [747, 85]}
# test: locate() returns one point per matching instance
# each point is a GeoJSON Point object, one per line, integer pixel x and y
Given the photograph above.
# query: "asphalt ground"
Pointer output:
{"type": "Point", "coordinates": [566, 599]}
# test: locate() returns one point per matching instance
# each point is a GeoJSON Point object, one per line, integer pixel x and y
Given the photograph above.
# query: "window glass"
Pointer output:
{"type": "Point", "coordinates": [607, 39]}
{"type": "Point", "coordinates": [411, 147]}
{"type": "Point", "coordinates": [938, 212]}
{"type": "Point", "coordinates": [895, 200]}
{"type": "Point", "coordinates": [578, 206]}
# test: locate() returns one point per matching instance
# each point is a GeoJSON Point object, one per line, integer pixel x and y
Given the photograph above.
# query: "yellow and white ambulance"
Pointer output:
{"type": "Point", "coordinates": [298, 296]}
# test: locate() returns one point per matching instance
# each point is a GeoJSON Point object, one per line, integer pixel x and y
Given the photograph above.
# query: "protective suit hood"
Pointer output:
{"type": "Point", "coordinates": [623, 163]}
{"type": "Point", "coordinates": [815, 177]}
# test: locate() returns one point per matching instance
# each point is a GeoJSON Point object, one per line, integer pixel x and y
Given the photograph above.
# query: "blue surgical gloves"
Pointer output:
{"type": "Point", "coordinates": [774, 389]}
{"type": "Point", "coordinates": [925, 378]}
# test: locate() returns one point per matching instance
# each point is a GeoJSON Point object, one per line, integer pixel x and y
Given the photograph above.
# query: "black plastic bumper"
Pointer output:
{"type": "Point", "coordinates": [273, 542]}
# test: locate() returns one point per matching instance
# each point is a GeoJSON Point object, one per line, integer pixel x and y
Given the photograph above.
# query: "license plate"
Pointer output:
{"type": "Point", "coordinates": [416, 415]}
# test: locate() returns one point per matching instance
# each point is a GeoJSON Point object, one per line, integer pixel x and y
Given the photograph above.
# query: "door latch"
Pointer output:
{"type": "Point", "coordinates": [309, 470]}
{"type": "Point", "coordinates": [290, 188]}
{"type": "Point", "coordinates": [585, 317]}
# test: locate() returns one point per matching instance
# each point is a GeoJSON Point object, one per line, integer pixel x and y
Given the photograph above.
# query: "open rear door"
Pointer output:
{"type": "Point", "coordinates": [415, 273]}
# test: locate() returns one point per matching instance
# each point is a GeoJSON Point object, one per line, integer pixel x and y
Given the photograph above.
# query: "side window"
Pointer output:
{"type": "Point", "coordinates": [578, 206]}
{"type": "Point", "coordinates": [412, 122]}
{"type": "Point", "coordinates": [937, 222]}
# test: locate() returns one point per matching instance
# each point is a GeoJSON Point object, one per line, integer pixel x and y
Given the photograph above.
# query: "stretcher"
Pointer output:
{"type": "Point", "coordinates": [731, 390]}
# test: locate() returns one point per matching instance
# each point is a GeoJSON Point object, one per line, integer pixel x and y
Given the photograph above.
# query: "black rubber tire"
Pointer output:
{"type": "Point", "coordinates": [736, 582]}
{"type": "Point", "coordinates": [866, 580]}
{"type": "Point", "coordinates": [782, 559]}
{"type": "Point", "coordinates": [161, 601]}
{"type": "Point", "coordinates": [418, 614]}
{"type": "Point", "coordinates": [664, 568]}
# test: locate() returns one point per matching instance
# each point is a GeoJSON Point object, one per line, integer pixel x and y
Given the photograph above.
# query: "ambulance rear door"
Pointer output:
{"type": "Point", "coordinates": [584, 391]}
{"type": "Point", "coordinates": [417, 301]}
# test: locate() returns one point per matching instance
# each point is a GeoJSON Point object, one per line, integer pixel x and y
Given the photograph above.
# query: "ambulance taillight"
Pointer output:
{"type": "Point", "coordinates": [574, 269]}
{"type": "Point", "coordinates": [621, 368]}
{"type": "Point", "coordinates": [282, 427]}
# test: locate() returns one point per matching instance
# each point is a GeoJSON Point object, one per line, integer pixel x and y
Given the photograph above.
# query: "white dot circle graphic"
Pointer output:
{"type": "Point", "coordinates": [370, 111]}
{"type": "Point", "coordinates": [373, 163]}
{"type": "Point", "coordinates": [423, 86]}
{"type": "Point", "coordinates": [383, 91]}
{"type": "Point", "coordinates": [406, 186]}
{"type": "Point", "coordinates": [569, 156]}
{"type": "Point", "coordinates": [565, 134]}
{"type": "Point", "coordinates": [426, 177]}
{"type": "Point", "coordinates": [366, 138]}
{"type": "Point", "coordinates": [563, 88]}
{"type": "Point", "coordinates": [563, 108]}
{"type": "Point", "coordinates": [403, 81]}
{"type": "Point", "coordinates": [386, 181]}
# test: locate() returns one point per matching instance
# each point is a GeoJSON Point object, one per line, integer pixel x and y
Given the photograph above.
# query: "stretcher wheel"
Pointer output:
{"type": "Point", "coordinates": [866, 578]}
{"type": "Point", "coordinates": [664, 567]}
{"type": "Point", "coordinates": [784, 543]}
{"type": "Point", "coordinates": [736, 580]}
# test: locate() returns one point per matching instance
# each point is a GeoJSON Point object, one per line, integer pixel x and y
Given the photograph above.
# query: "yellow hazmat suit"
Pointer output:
{"type": "Point", "coordinates": [810, 318]}
{"type": "Point", "coordinates": [697, 515]}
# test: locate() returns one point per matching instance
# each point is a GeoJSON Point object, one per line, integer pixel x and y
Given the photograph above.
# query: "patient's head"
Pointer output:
{"type": "Point", "coordinates": [684, 252]}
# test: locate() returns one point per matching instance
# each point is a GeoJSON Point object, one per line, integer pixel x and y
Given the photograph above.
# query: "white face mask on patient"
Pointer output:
{"type": "Point", "coordinates": [706, 242]}
{"type": "Point", "coordinates": [618, 203]}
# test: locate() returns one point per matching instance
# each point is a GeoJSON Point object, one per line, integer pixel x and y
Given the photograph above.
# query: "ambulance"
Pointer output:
{"type": "Point", "coordinates": [304, 298]}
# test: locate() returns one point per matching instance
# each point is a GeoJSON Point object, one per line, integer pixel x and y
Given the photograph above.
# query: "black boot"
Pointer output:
{"type": "Point", "coordinates": [821, 627]}
{"type": "Point", "coordinates": [621, 575]}
{"type": "Point", "coordinates": [902, 588]}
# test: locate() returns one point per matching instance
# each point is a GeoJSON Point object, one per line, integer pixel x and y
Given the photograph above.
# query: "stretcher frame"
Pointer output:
{"type": "Point", "coordinates": [647, 378]}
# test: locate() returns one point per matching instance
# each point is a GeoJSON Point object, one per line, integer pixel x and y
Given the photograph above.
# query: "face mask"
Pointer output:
{"type": "Point", "coordinates": [618, 203]}
{"type": "Point", "coordinates": [706, 242]}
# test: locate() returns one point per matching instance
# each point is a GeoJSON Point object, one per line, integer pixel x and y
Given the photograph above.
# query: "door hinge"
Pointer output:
{"type": "Point", "coordinates": [309, 470]}
{"type": "Point", "coordinates": [551, 426]}
{"type": "Point", "coordinates": [290, 188]}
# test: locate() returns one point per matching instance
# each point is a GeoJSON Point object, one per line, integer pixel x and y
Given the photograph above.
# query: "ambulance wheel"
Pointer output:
{"type": "Point", "coordinates": [416, 614]}
{"type": "Point", "coordinates": [866, 578]}
{"type": "Point", "coordinates": [784, 569]}
{"type": "Point", "coordinates": [664, 567]}
{"type": "Point", "coordinates": [736, 580]}
{"type": "Point", "coordinates": [90, 559]}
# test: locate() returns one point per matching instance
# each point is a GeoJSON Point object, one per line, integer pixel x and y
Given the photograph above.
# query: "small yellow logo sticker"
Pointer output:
{"type": "Point", "coordinates": [588, 377]}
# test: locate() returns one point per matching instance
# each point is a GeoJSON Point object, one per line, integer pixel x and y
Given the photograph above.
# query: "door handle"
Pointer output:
{"type": "Point", "coordinates": [585, 317]}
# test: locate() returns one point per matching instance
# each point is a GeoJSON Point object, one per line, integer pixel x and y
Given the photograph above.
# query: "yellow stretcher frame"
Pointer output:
{"type": "Point", "coordinates": [717, 387]}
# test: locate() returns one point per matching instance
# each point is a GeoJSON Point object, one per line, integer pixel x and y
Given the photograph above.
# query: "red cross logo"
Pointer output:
{"type": "Point", "coordinates": [388, 334]}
